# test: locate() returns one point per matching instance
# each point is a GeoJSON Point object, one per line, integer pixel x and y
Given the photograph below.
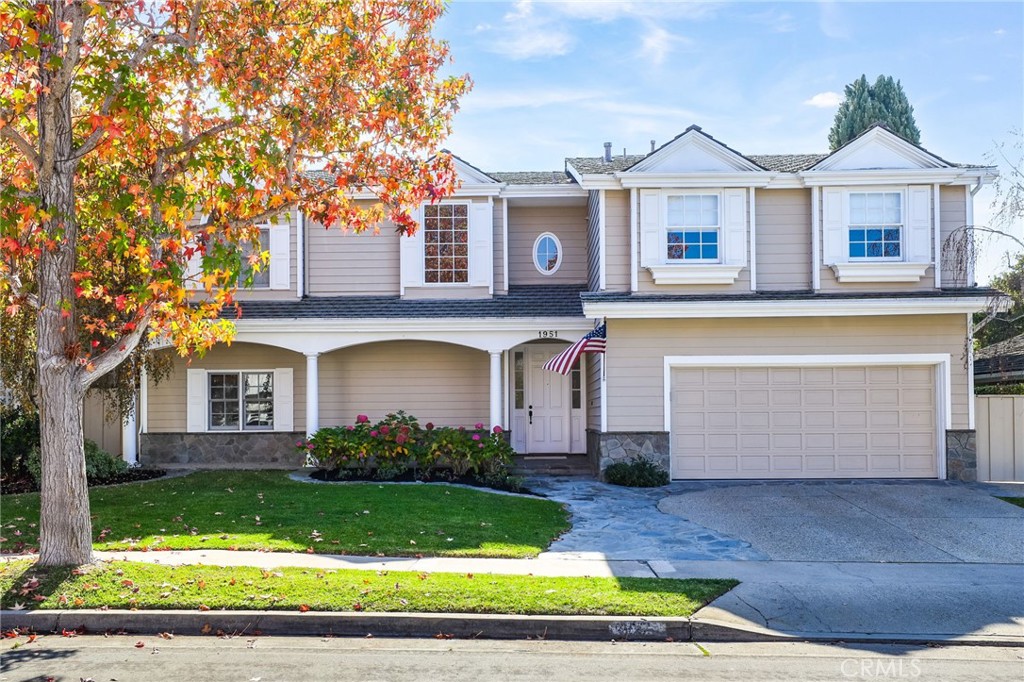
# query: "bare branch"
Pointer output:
{"type": "Point", "coordinates": [8, 132]}
{"type": "Point", "coordinates": [115, 355]}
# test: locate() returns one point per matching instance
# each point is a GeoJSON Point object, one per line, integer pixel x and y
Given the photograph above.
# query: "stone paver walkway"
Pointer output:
{"type": "Point", "coordinates": [615, 523]}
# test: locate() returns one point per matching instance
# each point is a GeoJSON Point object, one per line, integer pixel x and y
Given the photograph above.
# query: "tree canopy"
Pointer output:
{"type": "Point", "coordinates": [142, 143]}
{"type": "Point", "coordinates": [866, 104]}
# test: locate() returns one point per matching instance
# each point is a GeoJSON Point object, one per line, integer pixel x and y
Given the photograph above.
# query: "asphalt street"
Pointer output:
{"type": "Point", "coordinates": [270, 659]}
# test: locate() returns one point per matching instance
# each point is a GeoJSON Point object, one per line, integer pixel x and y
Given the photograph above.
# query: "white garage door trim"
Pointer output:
{"type": "Point", "coordinates": [940, 361]}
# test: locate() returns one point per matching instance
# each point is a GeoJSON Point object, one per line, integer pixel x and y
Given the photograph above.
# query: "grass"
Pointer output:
{"type": "Point", "coordinates": [128, 585]}
{"type": "Point", "coordinates": [265, 510]}
{"type": "Point", "coordinates": [1019, 501]}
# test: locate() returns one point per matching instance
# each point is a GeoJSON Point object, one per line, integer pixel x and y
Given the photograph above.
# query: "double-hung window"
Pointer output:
{"type": "Point", "coordinates": [446, 243]}
{"type": "Point", "coordinates": [694, 226]}
{"type": "Point", "coordinates": [241, 401]}
{"type": "Point", "coordinates": [261, 277]}
{"type": "Point", "coordinates": [876, 226]}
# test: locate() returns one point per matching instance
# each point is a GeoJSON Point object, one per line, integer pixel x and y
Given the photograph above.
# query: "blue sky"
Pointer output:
{"type": "Point", "coordinates": [557, 79]}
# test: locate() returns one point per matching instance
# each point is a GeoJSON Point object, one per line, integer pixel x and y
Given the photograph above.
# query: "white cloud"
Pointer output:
{"type": "Point", "coordinates": [825, 100]}
{"type": "Point", "coordinates": [657, 43]}
{"type": "Point", "coordinates": [833, 21]}
{"type": "Point", "coordinates": [518, 98]}
{"type": "Point", "coordinates": [981, 78]}
{"type": "Point", "coordinates": [525, 35]}
{"type": "Point", "coordinates": [610, 10]}
{"type": "Point", "coordinates": [775, 20]}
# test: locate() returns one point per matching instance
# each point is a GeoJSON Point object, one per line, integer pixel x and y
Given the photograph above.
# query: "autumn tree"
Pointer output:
{"type": "Point", "coordinates": [140, 143]}
{"type": "Point", "coordinates": [866, 104]}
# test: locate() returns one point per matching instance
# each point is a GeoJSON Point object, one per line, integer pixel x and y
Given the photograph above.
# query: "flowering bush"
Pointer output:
{"type": "Point", "coordinates": [398, 443]}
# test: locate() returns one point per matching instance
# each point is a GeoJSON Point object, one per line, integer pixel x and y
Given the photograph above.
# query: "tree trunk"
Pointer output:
{"type": "Point", "coordinates": [65, 528]}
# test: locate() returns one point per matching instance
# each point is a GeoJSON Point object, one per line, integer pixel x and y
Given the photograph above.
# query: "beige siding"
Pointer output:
{"type": "Point", "coordinates": [617, 258]}
{"type": "Point", "coordinates": [783, 239]}
{"type": "Point", "coordinates": [342, 263]}
{"type": "Point", "coordinates": [167, 400]}
{"type": "Point", "coordinates": [98, 424]}
{"type": "Point", "coordinates": [435, 382]}
{"type": "Point", "coordinates": [637, 348]}
{"type": "Point", "coordinates": [593, 391]}
{"type": "Point", "coordinates": [1000, 422]}
{"type": "Point", "coordinates": [593, 240]}
{"type": "Point", "coordinates": [293, 272]}
{"type": "Point", "coordinates": [952, 215]}
{"type": "Point", "coordinates": [499, 247]}
{"type": "Point", "coordinates": [568, 223]}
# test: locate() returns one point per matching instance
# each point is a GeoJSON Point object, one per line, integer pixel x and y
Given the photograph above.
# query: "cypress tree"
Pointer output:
{"type": "Point", "coordinates": [865, 104]}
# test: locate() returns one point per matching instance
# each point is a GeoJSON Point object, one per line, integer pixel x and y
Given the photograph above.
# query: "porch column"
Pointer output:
{"type": "Point", "coordinates": [312, 393]}
{"type": "Point", "coordinates": [496, 389]}
{"type": "Point", "coordinates": [129, 435]}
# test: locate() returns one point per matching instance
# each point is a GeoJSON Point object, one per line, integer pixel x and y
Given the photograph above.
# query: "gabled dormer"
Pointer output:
{"type": "Point", "coordinates": [451, 255]}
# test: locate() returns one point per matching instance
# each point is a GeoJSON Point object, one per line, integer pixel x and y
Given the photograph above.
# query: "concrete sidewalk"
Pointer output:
{"type": "Point", "coordinates": [831, 601]}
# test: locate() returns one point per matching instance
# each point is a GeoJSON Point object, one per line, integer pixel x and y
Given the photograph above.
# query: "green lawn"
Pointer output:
{"type": "Point", "coordinates": [265, 510]}
{"type": "Point", "coordinates": [129, 585]}
{"type": "Point", "coordinates": [1019, 501]}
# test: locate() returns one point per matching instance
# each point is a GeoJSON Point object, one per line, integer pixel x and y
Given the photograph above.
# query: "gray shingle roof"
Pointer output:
{"type": "Point", "coordinates": [1001, 358]}
{"type": "Point", "coordinates": [589, 165]}
{"type": "Point", "coordinates": [533, 177]}
{"type": "Point", "coordinates": [626, 297]}
{"type": "Point", "coordinates": [786, 163]}
{"type": "Point", "coordinates": [523, 301]}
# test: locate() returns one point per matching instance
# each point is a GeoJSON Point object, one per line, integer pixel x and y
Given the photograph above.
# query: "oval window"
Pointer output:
{"type": "Point", "coordinates": [547, 253]}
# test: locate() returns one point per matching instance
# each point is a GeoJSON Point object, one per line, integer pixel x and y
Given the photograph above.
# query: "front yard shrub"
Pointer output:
{"type": "Point", "coordinates": [397, 444]}
{"type": "Point", "coordinates": [636, 473]}
{"type": "Point", "coordinates": [19, 435]}
{"type": "Point", "coordinates": [100, 465]}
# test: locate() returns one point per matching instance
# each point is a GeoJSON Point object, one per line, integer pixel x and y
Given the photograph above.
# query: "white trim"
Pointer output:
{"type": "Point", "coordinates": [508, 397]}
{"type": "Point", "coordinates": [130, 434]}
{"type": "Point", "coordinates": [816, 238]}
{"type": "Point", "coordinates": [504, 242]}
{"type": "Point", "coordinates": [695, 273]}
{"type": "Point", "coordinates": [300, 253]}
{"type": "Point", "coordinates": [634, 242]}
{"type": "Point", "coordinates": [970, 372]}
{"type": "Point", "coordinates": [694, 137]}
{"type": "Point", "coordinates": [312, 393]}
{"type": "Point", "coordinates": [937, 236]}
{"type": "Point", "coordinates": [677, 309]}
{"type": "Point", "coordinates": [490, 236]}
{"type": "Point", "coordinates": [941, 362]}
{"type": "Point", "coordinates": [969, 199]}
{"type": "Point", "coordinates": [880, 271]}
{"type": "Point", "coordinates": [542, 191]}
{"type": "Point", "coordinates": [495, 411]}
{"type": "Point", "coordinates": [475, 176]}
{"type": "Point", "coordinates": [880, 137]}
{"type": "Point", "coordinates": [558, 261]}
{"type": "Point", "coordinates": [601, 242]}
{"type": "Point", "coordinates": [702, 180]}
{"type": "Point", "coordinates": [604, 392]}
{"type": "Point", "coordinates": [279, 420]}
{"type": "Point", "coordinates": [889, 177]}
{"type": "Point", "coordinates": [143, 400]}
{"type": "Point", "coordinates": [752, 236]}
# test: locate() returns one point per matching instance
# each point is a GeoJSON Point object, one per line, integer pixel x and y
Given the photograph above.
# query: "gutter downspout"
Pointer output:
{"type": "Point", "coordinates": [300, 253]}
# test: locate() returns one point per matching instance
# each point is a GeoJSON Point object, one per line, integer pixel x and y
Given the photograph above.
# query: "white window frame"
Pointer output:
{"type": "Point", "coordinates": [241, 374]}
{"type": "Point", "coordinates": [558, 261]}
{"type": "Point", "coordinates": [848, 224]}
{"type": "Point", "coordinates": [469, 251]}
{"type": "Point", "coordinates": [717, 229]}
{"type": "Point", "coordinates": [264, 246]}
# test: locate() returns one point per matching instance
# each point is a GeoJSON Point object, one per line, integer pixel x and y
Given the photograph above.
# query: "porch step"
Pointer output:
{"type": "Point", "coordinates": [552, 465]}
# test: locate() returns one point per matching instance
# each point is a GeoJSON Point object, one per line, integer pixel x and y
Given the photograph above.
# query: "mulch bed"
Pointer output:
{"type": "Point", "coordinates": [26, 484]}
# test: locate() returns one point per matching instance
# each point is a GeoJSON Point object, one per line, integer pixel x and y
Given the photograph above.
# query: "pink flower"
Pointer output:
{"type": "Point", "coordinates": [481, 445]}
{"type": "Point", "coordinates": [479, 425]}
{"type": "Point", "coordinates": [298, 444]}
{"type": "Point", "coordinates": [310, 446]}
{"type": "Point", "coordinates": [362, 419]}
{"type": "Point", "coordinates": [373, 434]}
{"type": "Point", "coordinates": [351, 428]}
{"type": "Point", "coordinates": [404, 429]}
{"type": "Point", "coordinates": [430, 426]}
{"type": "Point", "coordinates": [385, 430]}
{"type": "Point", "coordinates": [462, 428]}
{"type": "Point", "coordinates": [498, 429]}
{"type": "Point", "coordinates": [400, 439]}
{"type": "Point", "coordinates": [476, 436]}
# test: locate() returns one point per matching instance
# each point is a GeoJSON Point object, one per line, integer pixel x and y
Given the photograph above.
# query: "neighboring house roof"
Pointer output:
{"type": "Point", "coordinates": [623, 296]}
{"type": "Point", "coordinates": [786, 163]}
{"type": "Point", "coordinates": [522, 301]}
{"type": "Point", "coordinates": [533, 177]}
{"type": "Point", "coordinates": [1003, 359]}
{"type": "Point", "coordinates": [595, 165]}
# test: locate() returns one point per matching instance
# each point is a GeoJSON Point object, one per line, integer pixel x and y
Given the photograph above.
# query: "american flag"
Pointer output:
{"type": "Point", "coordinates": [594, 342]}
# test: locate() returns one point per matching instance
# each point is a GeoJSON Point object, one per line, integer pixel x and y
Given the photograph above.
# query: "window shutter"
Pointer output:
{"type": "Point", "coordinates": [280, 258]}
{"type": "Point", "coordinates": [833, 218]}
{"type": "Point", "coordinates": [481, 234]}
{"type": "Point", "coordinates": [284, 403]}
{"type": "Point", "coordinates": [195, 421]}
{"type": "Point", "coordinates": [193, 269]}
{"type": "Point", "coordinates": [651, 237]}
{"type": "Point", "coordinates": [411, 255]}
{"type": "Point", "coordinates": [919, 225]}
{"type": "Point", "coordinates": [734, 226]}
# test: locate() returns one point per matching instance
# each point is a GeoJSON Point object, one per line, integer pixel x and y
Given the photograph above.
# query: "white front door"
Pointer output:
{"type": "Point", "coordinates": [547, 404]}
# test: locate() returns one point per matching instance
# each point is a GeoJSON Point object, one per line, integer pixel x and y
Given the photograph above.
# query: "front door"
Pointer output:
{"type": "Point", "coordinates": [547, 404]}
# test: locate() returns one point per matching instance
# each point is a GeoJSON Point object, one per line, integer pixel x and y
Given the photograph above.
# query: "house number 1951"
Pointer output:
{"type": "Point", "coordinates": [547, 334]}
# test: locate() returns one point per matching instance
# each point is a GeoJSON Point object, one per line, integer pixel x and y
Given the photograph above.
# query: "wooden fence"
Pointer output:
{"type": "Point", "coordinates": [1000, 423]}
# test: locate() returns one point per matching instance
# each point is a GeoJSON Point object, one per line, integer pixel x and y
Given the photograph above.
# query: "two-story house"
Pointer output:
{"type": "Point", "coordinates": [781, 316]}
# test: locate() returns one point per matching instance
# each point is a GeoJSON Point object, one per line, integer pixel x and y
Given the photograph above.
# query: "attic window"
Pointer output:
{"type": "Point", "coordinates": [547, 253]}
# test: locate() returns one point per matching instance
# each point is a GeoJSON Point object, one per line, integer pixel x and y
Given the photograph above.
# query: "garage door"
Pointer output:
{"type": "Point", "coordinates": [793, 422]}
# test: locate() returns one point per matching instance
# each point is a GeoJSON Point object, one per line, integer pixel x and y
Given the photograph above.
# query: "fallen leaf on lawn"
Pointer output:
{"type": "Point", "coordinates": [166, 635]}
{"type": "Point", "coordinates": [79, 601]}
{"type": "Point", "coordinates": [303, 608]}
{"type": "Point", "coordinates": [204, 607]}
{"type": "Point", "coordinates": [140, 644]}
{"type": "Point", "coordinates": [231, 582]}
{"type": "Point", "coordinates": [18, 606]}
{"type": "Point", "coordinates": [357, 607]}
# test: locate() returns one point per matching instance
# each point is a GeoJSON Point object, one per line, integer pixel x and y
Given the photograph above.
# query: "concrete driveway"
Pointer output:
{"type": "Point", "coordinates": [873, 521]}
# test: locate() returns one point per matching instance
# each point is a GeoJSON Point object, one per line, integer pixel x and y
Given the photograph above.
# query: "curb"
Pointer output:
{"type": "Point", "coordinates": [445, 626]}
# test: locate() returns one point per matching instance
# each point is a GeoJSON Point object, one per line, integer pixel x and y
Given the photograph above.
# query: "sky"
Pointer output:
{"type": "Point", "coordinates": [558, 79]}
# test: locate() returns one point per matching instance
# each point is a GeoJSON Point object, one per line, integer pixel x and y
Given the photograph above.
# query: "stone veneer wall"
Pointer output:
{"type": "Point", "coordinates": [218, 450]}
{"type": "Point", "coordinates": [621, 446]}
{"type": "Point", "coordinates": [962, 455]}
